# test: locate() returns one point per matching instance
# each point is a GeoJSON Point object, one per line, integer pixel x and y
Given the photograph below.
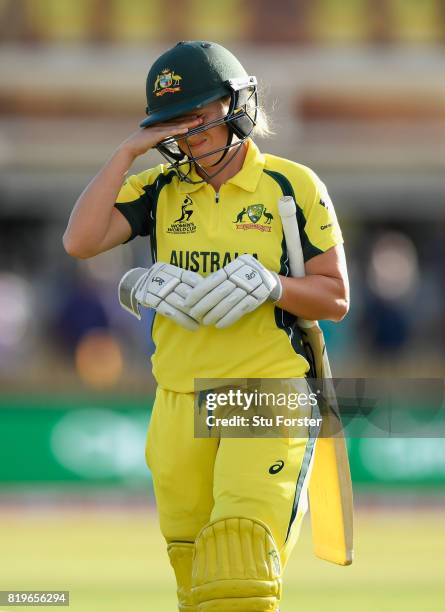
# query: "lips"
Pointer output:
{"type": "Point", "coordinates": [196, 145]}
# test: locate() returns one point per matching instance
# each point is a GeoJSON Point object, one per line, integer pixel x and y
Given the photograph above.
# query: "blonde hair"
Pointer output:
{"type": "Point", "coordinates": [262, 127]}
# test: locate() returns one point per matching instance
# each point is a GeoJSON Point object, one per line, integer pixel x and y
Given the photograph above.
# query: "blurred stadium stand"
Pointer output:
{"type": "Point", "coordinates": [354, 89]}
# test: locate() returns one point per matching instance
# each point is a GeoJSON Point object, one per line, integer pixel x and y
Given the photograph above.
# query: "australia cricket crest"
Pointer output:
{"type": "Point", "coordinates": [254, 212]}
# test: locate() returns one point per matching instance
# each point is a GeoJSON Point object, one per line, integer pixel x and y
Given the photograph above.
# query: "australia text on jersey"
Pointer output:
{"type": "Point", "coordinates": [203, 261]}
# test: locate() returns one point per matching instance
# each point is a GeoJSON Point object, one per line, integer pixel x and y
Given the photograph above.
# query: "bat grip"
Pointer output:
{"type": "Point", "coordinates": [287, 209]}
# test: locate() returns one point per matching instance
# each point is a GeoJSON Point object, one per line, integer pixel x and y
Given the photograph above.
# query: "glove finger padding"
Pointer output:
{"type": "Point", "coordinates": [183, 290]}
{"type": "Point", "coordinates": [159, 283]}
{"type": "Point", "coordinates": [236, 567]}
{"type": "Point", "coordinates": [224, 307]}
{"type": "Point", "coordinates": [247, 278]}
{"type": "Point", "coordinates": [175, 300]}
{"type": "Point", "coordinates": [191, 278]}
{"type": "Point", "coordinates": [226, 295]}
{"type": "Point", "coordinates": [216, 296]}
{"type": "Point", "coordinates": [206, 286]}
{"type": "Point", "coordinates": [247, 304]}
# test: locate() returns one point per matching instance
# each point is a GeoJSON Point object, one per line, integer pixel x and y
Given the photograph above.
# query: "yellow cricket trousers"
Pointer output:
{"type": "Point", "coordinates": [199, 480]}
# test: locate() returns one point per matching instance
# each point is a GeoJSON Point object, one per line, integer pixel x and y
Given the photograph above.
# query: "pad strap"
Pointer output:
{"type": "Point", "coordinates": [181, 559]}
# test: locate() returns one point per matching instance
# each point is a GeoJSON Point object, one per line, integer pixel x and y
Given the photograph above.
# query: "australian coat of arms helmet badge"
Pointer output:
{"type": "Point", "coordinates": [167, 82]}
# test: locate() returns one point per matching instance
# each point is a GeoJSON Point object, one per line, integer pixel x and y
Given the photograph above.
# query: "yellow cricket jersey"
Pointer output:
{"type": "Point", "coordinates": [191, 226]}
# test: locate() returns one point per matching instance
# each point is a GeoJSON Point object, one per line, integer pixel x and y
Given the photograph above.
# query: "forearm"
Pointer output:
{"type": "Point", "coordinates": [315, 297]}
{"type": "Point", "coordinates": [91, 215]}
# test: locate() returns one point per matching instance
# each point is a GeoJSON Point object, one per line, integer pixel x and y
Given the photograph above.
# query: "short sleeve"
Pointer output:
{"type": "Point", "coordinates": [321, 230]}
{"type": "Point", "coordinates": [133, 202]}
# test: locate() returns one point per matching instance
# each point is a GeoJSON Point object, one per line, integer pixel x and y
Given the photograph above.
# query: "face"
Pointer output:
{"type": "Point", "coordinates": [211, 139]}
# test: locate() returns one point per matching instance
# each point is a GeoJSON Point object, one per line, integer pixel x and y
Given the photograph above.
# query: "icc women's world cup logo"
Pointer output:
{"type": "Point", "coordinates": [183, 224]}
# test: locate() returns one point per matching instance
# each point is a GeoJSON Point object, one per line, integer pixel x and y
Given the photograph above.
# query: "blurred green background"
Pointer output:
{"type": "Point", "coordinates": [355, 90]}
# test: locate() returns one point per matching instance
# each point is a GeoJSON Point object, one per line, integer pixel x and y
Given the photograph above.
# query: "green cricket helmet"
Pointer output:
{"type": "Point", "coordinates": [189, 76]}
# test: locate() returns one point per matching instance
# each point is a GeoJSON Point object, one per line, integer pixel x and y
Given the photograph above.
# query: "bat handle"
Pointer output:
{"type": "Point", "coordinates": [287, 207]}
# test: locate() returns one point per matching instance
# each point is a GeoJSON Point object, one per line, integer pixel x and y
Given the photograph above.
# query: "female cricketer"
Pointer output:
{"type": "Point", "coordinates": [230, 509]}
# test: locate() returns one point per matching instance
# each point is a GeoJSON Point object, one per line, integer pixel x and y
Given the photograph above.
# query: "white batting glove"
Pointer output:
{"type": "Point", "coordinates": [162, 287]}
{"type": "Point", "coordinates": [226, 295]}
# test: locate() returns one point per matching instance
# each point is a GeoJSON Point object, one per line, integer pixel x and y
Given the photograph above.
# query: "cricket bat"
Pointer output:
{"type": "Point", "coordinates": [330, 486]}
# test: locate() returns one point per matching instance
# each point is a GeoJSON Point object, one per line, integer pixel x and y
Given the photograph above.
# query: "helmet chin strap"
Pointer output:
{"type": "Point", "coordinates": [229, 142]}
{"type": "Point", "coordinates": [230, 136]}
